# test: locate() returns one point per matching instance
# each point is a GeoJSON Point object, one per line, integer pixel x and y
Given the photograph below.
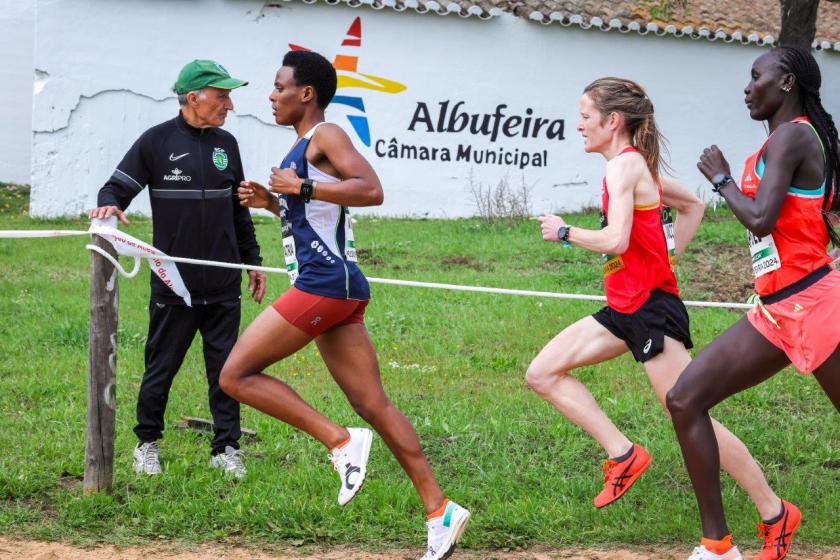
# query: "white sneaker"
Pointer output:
{"type": "Point", "coordinates": [230, 461]}
{"type": "Point", "coordinates": [444, 531]}
{"type": "Point", "coordinates": [146, 460]}
{"type": "Point", "coordinates": [702, 553]}
{"type": "Point", "coordinates": [351, 463]}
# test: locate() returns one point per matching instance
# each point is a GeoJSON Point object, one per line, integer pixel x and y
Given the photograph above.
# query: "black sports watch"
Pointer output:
{"type": "Point", "coordinates": [307, 189]}
{"type": "Point", "coordinates": [563, 233]}
{"type": "Point", "coordinates": [719, 180]}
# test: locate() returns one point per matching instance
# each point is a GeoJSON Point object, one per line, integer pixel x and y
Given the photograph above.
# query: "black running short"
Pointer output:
{"type": "Point", "coordinates": [644, 331]}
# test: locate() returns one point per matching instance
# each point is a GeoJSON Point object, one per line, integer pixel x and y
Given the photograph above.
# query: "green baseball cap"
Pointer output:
{"type": "Point", "coordinates": [202, 73]}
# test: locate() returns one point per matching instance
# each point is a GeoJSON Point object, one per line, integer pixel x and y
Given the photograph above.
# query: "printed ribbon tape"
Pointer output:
{"type": "Point", "coordinates": [160, 263]}
{"type": "Point", "coordinates": [164, 266]}
{"type": "Point", "coordinates": [128, 246]}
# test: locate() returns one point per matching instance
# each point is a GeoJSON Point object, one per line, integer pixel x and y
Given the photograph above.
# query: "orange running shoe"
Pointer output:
{"type": "Point", "coordinates": [777, 537]}
{"type": "Point", "coordinates": [619, 477]}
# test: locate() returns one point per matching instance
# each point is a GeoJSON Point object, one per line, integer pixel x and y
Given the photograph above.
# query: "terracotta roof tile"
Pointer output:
{"type": "Point", "coordinates": [744, 21]}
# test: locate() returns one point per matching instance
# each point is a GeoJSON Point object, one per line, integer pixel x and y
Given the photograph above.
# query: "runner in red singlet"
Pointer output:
{"type": "Point", "coordinates": [785, 188]}
{"type": "Point", "coordinates": [644, 313]}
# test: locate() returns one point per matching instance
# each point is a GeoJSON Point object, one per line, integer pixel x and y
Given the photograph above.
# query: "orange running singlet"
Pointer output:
{"type": "Point", "coordinates": [797, 244]}
{"type": "Point", "coordinates": [647, 263]}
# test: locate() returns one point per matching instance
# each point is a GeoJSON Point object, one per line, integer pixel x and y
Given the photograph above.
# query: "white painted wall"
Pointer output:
{"type": "Point", "coordinates": [17, 43]}
{"type": "Point", "coordinates": [108, 66]}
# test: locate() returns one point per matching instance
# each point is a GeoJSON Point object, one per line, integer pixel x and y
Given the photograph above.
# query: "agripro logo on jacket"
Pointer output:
{"type": "Point", "coordinates": [176, 175]}
{"type": "Point", "coordinates": [346, 66]}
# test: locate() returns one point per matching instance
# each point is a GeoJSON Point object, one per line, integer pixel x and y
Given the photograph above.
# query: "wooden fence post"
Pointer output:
{"type": "Point", "coordinates": [102, 369]}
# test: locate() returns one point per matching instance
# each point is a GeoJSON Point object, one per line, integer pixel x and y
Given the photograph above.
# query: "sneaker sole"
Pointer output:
{"type": "Point", "coordinates": [454, 535]}
{"type": "Point", "coordinates": [363, 472]}
{"type": "Point", "coordinates": [630, 483]}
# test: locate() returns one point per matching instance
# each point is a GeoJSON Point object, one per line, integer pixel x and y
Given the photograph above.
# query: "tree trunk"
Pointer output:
{"type": "Point", "coordinates": [799, 22]}
{"type": "Point", "coordinates": [102, 374]}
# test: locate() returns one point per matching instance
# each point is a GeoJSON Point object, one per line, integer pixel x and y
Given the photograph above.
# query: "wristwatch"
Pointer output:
{"type": "Point", "coordinates": [307, 189]}
{"type": "Point", "coordinates": [563, 233]}
{"type": "Point", "coordinates": [719, 180]}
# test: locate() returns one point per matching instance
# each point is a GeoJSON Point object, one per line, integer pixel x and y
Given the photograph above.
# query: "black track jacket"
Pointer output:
{"type": "Point", "coordinates": [192, 174]}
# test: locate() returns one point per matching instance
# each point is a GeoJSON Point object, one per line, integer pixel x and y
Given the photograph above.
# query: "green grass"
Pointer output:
{"type": "Point", "coordinates": [453, 362]}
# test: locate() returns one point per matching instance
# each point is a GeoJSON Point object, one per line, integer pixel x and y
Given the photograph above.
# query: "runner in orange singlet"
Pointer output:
{"type": "Point", "coordinates": [785, 188]}
{"type": "Point", "coordinates": [644, 313]}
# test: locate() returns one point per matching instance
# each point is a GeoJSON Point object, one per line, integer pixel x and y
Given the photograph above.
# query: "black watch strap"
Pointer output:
{"type": "Point", "coordinates": [306, 189]}
{"type": "Point", "coordinates": [563, 233]}
{"type": "Point", "coordinates": [719, 180]}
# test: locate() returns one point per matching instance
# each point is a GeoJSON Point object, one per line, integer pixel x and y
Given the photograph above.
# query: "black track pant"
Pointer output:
{"type": "Point", "coordinates": [171, 332]}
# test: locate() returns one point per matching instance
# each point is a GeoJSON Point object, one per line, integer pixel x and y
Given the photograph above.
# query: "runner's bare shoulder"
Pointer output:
{"type": "Point", "coordinates": [331, 135]}
{"type": "Point", "coordinates": [793, 134]}
{"type": "Point", "coordinates": [628, 167]}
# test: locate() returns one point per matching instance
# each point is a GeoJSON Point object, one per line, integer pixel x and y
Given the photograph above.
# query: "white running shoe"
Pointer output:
{"type": "Point", "coordinates": [146, 460]}
{"type": "Point", "coordinates": [230, 461]}
{"type": "Point", "coordinates": [350, 460]}
{"type": "Point", "coordinates": [702, 553]}
{"type": "Point", "coordinates": [445, 530]}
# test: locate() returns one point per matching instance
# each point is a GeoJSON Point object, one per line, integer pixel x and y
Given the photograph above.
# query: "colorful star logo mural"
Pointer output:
{"type": "Point", "coordinates": [346, 63]}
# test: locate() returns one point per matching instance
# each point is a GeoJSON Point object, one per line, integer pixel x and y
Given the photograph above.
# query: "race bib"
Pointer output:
{"type": "Point", "coordinates": [610, 263]}
{"type": "Point", "coordinates": [765, 256]}
{"type": "Point", "coordinates": [289, 252]}
{"type": "Point", "coordinates": [668, 228]}
{"type": "Point", "coordinates": [349, 242]}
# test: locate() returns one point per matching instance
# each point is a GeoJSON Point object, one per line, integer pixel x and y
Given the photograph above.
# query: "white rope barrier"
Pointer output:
{"type": "Point", "coordinates": [185, 260]}
{"type": "Point", "coordinates": [30, 233]}
{"type": "Point", "coordinates": [115, 262]}
{"type": "Point", "coordinates": [21, 234]}
{"type": "Point", "coordinates": [556, 295]}
{"type": "Point", "coordinates": [431, 285]}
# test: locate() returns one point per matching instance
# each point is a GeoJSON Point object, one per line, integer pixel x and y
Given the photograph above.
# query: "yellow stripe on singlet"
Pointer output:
{"type": "Point", "coordinates": [646, 207]}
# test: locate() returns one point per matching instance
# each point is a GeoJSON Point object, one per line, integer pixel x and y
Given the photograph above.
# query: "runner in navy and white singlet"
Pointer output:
{"type": "Point", "coordinates": [318, 180]}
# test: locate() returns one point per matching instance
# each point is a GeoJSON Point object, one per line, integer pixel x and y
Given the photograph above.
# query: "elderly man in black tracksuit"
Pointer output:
{"type": "Point", "coordinates": [193, 169]}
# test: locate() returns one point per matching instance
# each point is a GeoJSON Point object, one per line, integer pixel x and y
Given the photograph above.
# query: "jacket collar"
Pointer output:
{"type": "Point", "coordinates": [186, 127]}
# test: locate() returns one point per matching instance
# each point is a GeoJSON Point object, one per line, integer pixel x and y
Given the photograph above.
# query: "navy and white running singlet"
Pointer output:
{"type": "Point", "coordinates": [318, 237]}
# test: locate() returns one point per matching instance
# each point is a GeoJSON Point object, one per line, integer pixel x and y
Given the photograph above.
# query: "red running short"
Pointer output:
{"type": "Point", "coordinates": [806, 327]}
{"type": "Point", "coordinates": [314, 314]}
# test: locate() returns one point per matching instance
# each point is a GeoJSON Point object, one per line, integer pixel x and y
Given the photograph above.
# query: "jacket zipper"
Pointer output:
{"type": "Point", "coordinates": [203, 187]}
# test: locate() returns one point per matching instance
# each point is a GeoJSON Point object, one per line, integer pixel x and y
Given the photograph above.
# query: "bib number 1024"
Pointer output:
{"type": "Point", "coordinates": [765, 255]}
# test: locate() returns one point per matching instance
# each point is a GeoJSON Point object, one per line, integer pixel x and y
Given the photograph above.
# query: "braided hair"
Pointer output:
{"type": "Point", "coordinates": [800, 62]}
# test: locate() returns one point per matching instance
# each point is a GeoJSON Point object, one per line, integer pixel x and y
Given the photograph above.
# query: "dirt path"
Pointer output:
{"type": "Point", "coordinates": [35, 550]}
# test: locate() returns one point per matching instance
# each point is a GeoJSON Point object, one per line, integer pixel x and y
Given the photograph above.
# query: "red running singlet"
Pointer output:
{"type": "Point", "coordinates": [647, 263]}
{"type": "Point", "coordinates": [797, 244]}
